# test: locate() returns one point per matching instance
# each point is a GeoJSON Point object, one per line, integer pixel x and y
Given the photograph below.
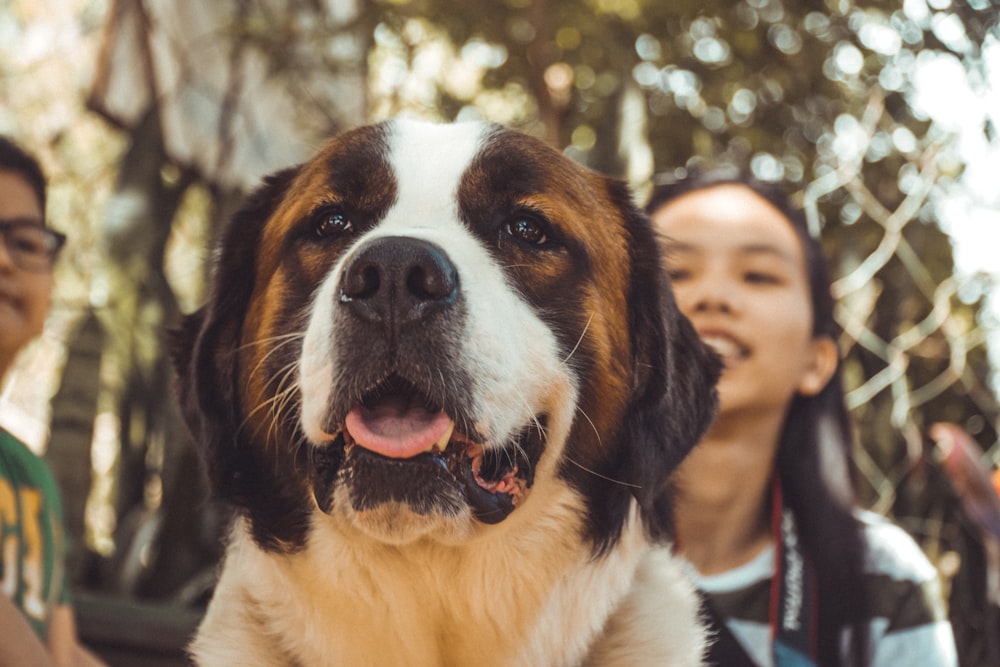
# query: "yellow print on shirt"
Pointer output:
{"type": "Point", "coordinates": [21, 547]}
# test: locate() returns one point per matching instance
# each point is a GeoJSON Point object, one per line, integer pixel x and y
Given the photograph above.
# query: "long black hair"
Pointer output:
{"type": "Point", "coordinates": [813, 457]}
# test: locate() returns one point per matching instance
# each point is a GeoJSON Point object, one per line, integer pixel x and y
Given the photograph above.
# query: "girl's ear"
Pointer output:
{"type": "Point", "coordinates": [821, 366]}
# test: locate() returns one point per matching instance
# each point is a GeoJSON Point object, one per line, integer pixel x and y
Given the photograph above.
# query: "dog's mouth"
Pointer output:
{"type": "Point", "coordinates": [398, 425]}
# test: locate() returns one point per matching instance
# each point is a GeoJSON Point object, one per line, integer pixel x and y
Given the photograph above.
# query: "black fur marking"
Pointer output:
{"type": "Point", "coordinates": [674, 399]}
{"type": "Point", "coordinates": [205, 358]}
{"type": "Point", "coordinates": [423, 483]}
{"type": "Point", "coordinates": [671, 404]}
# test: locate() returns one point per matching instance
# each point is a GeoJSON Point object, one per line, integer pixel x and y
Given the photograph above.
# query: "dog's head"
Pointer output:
{"type": "Point", "coordinates": [430, 329]}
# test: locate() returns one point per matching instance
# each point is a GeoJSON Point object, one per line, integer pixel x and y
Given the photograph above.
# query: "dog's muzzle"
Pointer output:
{"type": "Point", "coordinates": [402, 401]}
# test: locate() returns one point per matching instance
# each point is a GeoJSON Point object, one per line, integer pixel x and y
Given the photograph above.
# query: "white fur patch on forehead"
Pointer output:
{"type": "Point", "coordinates": [428, 160]}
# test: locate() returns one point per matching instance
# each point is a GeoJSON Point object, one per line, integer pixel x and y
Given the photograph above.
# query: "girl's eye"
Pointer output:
{"type": "Point", "coordinates": [333, 224]}
{"type": "Point", "coordinates": [761, 278]}
{"type": "Point", "coordinates": [526, 230]}
{"type": "Point", "coordinates": [677, 275]}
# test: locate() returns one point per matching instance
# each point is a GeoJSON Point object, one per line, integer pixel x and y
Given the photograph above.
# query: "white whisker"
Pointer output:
{"type": "Point", "coordinates": [604, 477]}
{"type": "Point", "coordinates": [592, 426]}
{"type": "Point", "coordinates": [594, 472]}
{"type": "Point", "coordinates": [580, 339]}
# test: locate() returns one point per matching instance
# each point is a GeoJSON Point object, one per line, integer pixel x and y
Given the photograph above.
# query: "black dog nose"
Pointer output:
{"type": "Point", "coordinates": [396, 280]}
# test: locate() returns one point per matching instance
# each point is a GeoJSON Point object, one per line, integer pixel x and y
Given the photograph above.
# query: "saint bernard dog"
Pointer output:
{"type": "Point", "coordinates": [441, 377]}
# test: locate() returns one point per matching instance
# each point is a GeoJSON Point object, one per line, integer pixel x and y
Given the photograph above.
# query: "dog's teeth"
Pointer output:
{"type": "Point", "coordinates": [442, 442]}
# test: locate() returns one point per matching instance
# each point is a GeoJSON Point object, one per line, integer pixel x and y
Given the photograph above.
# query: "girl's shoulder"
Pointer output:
{"type": "Point", "coordinates": [909, 622]}
{"type": "Point", "coordinates": [891, 551]}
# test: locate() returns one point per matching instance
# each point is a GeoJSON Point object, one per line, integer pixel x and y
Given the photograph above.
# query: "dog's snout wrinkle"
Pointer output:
{"type": "Point", "coordinates": [397, 280]}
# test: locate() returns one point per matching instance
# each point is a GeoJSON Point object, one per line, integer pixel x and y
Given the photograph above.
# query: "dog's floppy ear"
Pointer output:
{"type": "Point", "coordinates": [674, 398]}
{"type": "Point", "coordinates": [205, 345]}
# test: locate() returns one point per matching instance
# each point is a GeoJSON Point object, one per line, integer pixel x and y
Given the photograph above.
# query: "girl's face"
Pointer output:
{"type": "Point", "coordinates": [739, 274]}
{"type": "Point", "coordinates": [24, 295]}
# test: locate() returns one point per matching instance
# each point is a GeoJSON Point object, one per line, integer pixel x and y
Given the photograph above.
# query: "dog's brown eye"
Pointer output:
{"type": "Point", "coordinates": [526, 230]}
{"type": "Point", "coordinates": [333, 224]}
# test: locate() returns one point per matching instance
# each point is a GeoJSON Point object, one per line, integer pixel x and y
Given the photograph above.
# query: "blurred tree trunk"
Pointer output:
{"type": "Point", "coordinates": [74, 409]}
{"type": "Point", "coordinates": [140, 308]}
{"type": "Point", "coordinates": [541, 54]}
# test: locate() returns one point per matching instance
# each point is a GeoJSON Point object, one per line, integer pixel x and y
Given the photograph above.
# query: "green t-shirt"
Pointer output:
{"type": "Point", "coordinates": [32, 543]}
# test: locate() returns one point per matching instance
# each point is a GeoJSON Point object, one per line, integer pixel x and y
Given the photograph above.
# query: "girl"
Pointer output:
{"type": "Point", "coordinates": [792, 573]}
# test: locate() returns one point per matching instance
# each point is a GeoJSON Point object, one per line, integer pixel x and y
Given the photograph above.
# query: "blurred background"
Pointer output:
{"type": "Point", "coordinates": [154, 117]}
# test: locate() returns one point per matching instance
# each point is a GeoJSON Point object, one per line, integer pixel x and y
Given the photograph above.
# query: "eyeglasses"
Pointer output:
{"type": "Point", "coordinates": [31, 246]}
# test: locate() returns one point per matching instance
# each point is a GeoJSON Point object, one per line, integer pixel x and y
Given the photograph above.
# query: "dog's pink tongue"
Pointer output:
{"type": "Point", "coordinates": [395, 429]}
